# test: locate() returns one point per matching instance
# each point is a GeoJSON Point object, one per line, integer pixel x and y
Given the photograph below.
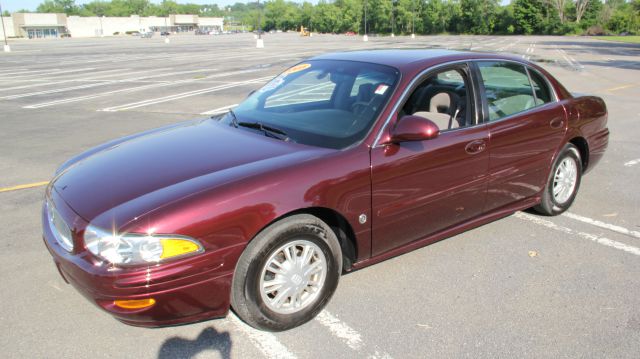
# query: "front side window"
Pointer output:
{"type": "Point", "coordinates": [326, 103]}
{"type": "Point", "coordinates": [444, 98]}
{"type": "Point", "coordinates": [507, 88]}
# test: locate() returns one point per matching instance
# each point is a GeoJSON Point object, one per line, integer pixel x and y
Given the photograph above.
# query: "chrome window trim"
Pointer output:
{"type": "Point", "coordinates": [552, 90]}
{"type": "Point", "coordinates": [409, 87]}
{"type": "Point", "coordinates": [480, 121]}
{"type": "Point", "coordinates": [527, 69]}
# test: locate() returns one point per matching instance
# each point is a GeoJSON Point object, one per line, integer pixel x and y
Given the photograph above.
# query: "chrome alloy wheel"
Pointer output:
{"type": "Point", "coordinates": [564, 180]}
{"type": "Point", "coordinates": [293, 276]}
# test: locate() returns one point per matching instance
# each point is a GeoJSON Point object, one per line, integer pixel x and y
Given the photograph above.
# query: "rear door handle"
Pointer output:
{"type": "Point", "coordinates": [475, 147]}
{"type": "Point", "coordinates": [556, 123]}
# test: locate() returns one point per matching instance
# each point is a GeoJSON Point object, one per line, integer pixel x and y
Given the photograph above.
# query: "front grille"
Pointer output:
{"type": "Point", "coordinates": [59, 228]}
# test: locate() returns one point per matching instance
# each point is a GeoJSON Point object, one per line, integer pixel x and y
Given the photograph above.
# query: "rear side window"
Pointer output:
{"type": "Point", "coordinates": [507, 88]}
{"type": "Point", "coordinates": [543, 94]}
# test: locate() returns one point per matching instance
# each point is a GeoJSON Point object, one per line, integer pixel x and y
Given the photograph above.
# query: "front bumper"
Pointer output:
{"type": "Point", "coordinates": [185, 291]}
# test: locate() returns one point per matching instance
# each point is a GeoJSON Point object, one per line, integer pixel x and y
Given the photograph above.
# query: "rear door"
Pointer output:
{"type": "Point", "coordinates": [526, 126]}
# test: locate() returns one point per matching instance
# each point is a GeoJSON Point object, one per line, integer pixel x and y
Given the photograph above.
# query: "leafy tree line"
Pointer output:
{"type": "Point", "coordinates": [397, 16]}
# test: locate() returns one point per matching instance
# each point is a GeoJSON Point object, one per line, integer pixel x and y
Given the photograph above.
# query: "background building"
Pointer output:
{"type": "Point", "coordinates": [37, 26]}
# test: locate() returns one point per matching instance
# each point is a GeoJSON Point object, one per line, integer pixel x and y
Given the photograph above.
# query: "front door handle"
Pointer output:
{"type": "Point", "coordinates": [556, 123]}
{"type": "Point", "coordinates": [475, 147]}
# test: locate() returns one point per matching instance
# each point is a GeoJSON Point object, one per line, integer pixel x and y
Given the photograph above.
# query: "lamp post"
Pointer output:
{"type": "Point", "coordinates": [413, 19]}
{"type": "Point", "coordinates": [365, 37]}
{"type": "Point", "coordinates": [4, 32]}
{"type": "Point", "coordinates": [101, 28]}
{"type": "Point", "coordinates": [166, 30]}
{"type": "Point", "coordinates": [393, 19]}
{"type": "Point", "coordinates": [259, 42]}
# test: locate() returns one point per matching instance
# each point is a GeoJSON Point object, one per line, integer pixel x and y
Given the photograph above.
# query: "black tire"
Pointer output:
{"type": "Point", "coordinates": [549, 205]}
{"type": "Point", "coordinates": [246, 299]}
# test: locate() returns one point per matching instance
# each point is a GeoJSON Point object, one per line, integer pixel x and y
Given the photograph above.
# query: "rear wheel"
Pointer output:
{"type": "Point", "coordinates": [287, 274]}
{"type": "Point", "coordinates": [563, 183]}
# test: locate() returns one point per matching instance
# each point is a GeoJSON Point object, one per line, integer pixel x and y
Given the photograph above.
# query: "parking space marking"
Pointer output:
{"type": "Point", "coordinates": [620, 87]}
{"type": "Point", "coordinates": [157, 100]}
{"type": "Point", "coordinates": [632, 163]}
{"type": "Point", "coordinates": [91, 78]}
{"type": "Point", "coordinates": [218, 110]}
{"type": "Point", "coordinates": [346, 334]}
{"type": "Point", "coordinates": [110, 82]}
{"type": "Point", "coordinates": [21, 77]}
{"type": "Point", "coordinates": [23, 186]}
{"type": "Point", "coordinates": [600, 240]}
{"type": "Point", "coordinates": [28, 71]}
{"type": "Point", "coordinates": [266, 342]}
{"type": "Point", "coordinates": [595, 222]}
{"type": "Point", "coordinates": [129, 89]}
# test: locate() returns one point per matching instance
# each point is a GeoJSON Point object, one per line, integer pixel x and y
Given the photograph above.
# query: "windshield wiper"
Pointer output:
{"type": "Point", "coordinates": [268, 130]}
{"type": "Point", "coordinates": [234, 119]}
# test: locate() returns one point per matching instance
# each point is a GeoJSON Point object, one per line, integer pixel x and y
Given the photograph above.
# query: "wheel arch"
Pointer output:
{"type": "Point", "coordinates": [583, 147]}
{"type": "Point", "coordinates": [338, 224]}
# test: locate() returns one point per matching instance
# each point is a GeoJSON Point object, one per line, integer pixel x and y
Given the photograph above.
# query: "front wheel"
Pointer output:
{"type": "Point", "coordinates": [287, 274]}
{"type": "Point", "coordinates": [563, 183]}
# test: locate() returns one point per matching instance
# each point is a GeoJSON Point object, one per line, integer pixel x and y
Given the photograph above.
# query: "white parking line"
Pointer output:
{"type": "Point", "coordinates": [600, 240]}
{"type": "Point", "coordinates": [21, 77]}
{"type": "Point", "coordinates": [90, 78]}
{"type": "Point", "coordinates": [632, 163]}
{"type": "Point", "coordinates": [154, 101]}
{"type": "Point", "coordinates": [346, 334]}
{"type": "Point", "coordinates": [611, 227]}
{"type": "Point", "coordinates": [65, 89]}
{"type": "Point", "coordinates": [218, 110]}
{"type": "Point", "coordinates": [26, 71]}
{"type": "Point", "coordinates": [341, 330]}
{"type": "Point", "coordinates": [266, 342]}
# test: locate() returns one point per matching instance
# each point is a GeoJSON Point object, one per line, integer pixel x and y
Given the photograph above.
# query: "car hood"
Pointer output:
{"type": "Point", "coordinates": [170, 163]}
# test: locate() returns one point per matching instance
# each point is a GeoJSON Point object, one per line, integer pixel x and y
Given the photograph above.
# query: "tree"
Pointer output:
{"type": "Point", "coordinates": [59, 6]}
{"type": "Point", "coordinates": [581, 6]}
{"type": "Point", "coordinates": [528, 16]}
{"type": "Point", "coordinates": [327, 17]}
{"type": "Point", "coordinates": [479, 16]}
{"type": "Point", "coordinates": [559, 6]}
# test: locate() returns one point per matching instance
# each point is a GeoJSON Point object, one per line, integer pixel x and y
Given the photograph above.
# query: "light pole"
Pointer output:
{"type": "Point", "coordinates": [393, 19]}
{"type": "Point", "coordinates": [166, 30]}
{"type": "Point", "coordinates": [101, 28]}
{"type": "Point", "coordinates": [4, 32]}
{"type": "Point", "coordinates": [413, 19]}
{"type": "Point", "coordinates": [259, 42]}
{"type": "Point", "coordinates": [365, 37]}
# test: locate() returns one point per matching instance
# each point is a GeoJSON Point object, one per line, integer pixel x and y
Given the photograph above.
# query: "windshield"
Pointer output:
{"type": "Point", "coordinates": [326, 103]}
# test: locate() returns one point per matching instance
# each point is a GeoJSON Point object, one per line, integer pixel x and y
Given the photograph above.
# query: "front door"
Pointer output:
{"type": "Point", "coordinates": [422, 187]}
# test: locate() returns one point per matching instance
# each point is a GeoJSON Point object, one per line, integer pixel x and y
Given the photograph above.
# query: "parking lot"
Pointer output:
{"type": "Point", "coordinates": [524, 286]}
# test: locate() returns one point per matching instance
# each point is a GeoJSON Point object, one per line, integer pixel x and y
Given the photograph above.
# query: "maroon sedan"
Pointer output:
{"type": "Point", "coordinates": [340, 162]}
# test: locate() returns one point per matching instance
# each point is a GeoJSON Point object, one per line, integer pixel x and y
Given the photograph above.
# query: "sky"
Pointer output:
{"type": "Point", "coordinates": [15, 5]}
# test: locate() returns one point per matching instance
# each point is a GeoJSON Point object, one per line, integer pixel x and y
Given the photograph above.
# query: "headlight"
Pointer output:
{"type": "Point", "coordinates": [133, 248]}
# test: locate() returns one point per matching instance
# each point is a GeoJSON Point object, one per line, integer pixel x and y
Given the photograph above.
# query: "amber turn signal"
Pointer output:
{"type": "Point", "coordinates": [135, 303]}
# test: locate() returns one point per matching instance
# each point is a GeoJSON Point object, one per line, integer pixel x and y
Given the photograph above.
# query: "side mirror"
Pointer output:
{"type": "Point", "coordinates": [414, 128]}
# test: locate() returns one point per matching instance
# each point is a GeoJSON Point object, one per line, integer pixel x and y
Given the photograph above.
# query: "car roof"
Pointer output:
{"type": "Point", "coordinates": [408, 59]}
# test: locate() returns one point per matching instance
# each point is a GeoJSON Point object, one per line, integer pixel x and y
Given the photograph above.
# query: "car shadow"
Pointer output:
{"type": "Point", "coordinates": [209, 340]}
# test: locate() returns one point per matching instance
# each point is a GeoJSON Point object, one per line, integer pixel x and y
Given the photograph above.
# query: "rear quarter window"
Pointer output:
{"type": "Point", "coordinates": [507, 88]}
